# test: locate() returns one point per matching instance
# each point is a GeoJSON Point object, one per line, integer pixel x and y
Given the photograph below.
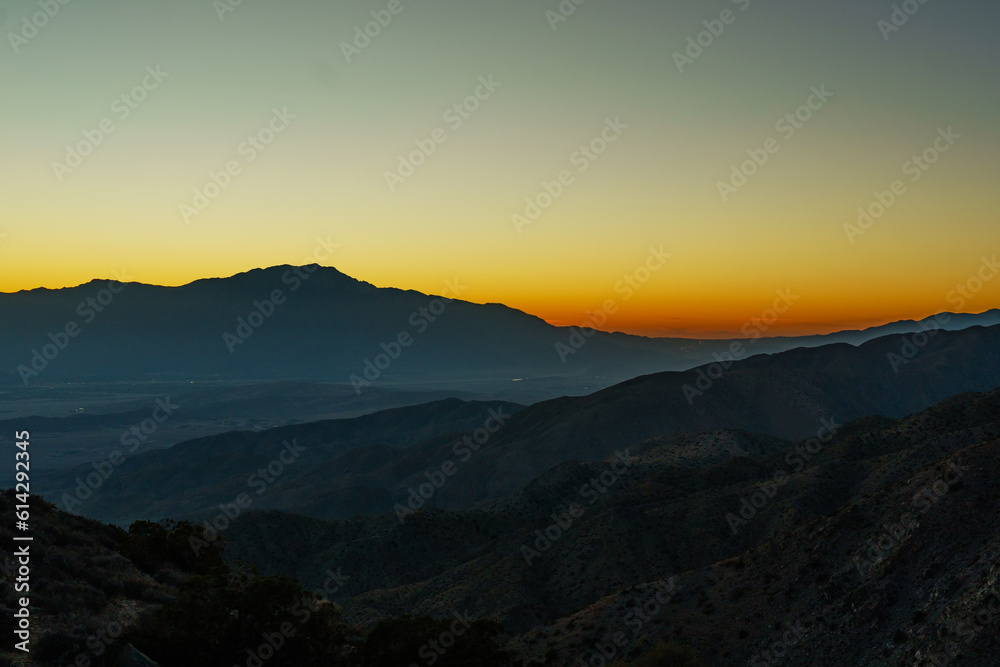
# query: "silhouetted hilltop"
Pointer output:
{"type": "Point", "coordinates": [316, 323]}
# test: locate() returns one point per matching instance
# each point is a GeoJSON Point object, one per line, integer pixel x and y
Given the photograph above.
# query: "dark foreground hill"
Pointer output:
{"type": "Point", "coordinates": [786, 396]}
{"type": "Point", "coordinates": [876, 546]}
{"type": "Point", "coordinates": [876, 542]}
{"type": "Point", "coordinates": [93, 593]}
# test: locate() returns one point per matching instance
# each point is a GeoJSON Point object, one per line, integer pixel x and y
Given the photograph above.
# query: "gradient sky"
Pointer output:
{"type": "Point", "coordinates": [656, 186]}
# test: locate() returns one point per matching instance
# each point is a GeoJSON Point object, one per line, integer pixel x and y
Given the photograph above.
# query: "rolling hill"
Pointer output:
{"type": "Point", "coordinates": [365, 465]}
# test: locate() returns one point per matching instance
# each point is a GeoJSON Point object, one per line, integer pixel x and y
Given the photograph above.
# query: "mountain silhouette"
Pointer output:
{"type": "Point", "coordinates": [315, 323]}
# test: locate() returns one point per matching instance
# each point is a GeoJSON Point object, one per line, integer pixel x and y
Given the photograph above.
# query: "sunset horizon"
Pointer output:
{"type": "Point", "coordinates": [843, 174]}
{"type": "Point", "coordinates": [961, 298]}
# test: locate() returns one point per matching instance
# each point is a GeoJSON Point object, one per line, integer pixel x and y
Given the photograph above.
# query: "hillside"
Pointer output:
{"type": "Point", "coordinates": [793, 561]}
{"type": "Point", "coordinates": [786, 396]}
{"type": "Point", "coordinates": [876, 541]}
{"type": "Point", "coordinates": [280, 467]}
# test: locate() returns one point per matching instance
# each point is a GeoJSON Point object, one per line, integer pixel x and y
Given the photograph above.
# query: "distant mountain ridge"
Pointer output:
{"type": "Point", "coordinates": [790, 395]}
{"type": "Point", "coordinates": [317, 324]}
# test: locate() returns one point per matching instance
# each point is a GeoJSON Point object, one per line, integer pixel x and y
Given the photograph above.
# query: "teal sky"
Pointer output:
{"type": "Point", "coordinates": [325, 174]}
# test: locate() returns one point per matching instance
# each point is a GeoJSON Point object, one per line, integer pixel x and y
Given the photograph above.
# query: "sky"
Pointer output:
{"type": "Point", "coordinates": [191, 139]}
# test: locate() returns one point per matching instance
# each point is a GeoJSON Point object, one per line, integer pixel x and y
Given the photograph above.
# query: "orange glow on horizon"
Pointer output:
{"type": "Point", "coordinates": [712, 316]}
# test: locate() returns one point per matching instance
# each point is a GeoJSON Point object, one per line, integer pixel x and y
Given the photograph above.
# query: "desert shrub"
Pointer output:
{"type": "Point", "coordinates": [228, 618]}
{"type": "Point", "coordinates": [183, 544]}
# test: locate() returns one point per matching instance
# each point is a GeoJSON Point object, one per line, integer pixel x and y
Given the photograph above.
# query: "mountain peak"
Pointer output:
{"type": "Point", "coordinates": [285, 276]}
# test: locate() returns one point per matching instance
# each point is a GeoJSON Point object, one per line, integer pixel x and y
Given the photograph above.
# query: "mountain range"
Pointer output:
{"type": "Point", "coordinates": [374, 463]}
{"type": "Point", "coordinates": [875, 541]}
{"type": "Point", "coordinates": [754, 502]}
{"type": "Point", "coordinates": [314, 323]}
